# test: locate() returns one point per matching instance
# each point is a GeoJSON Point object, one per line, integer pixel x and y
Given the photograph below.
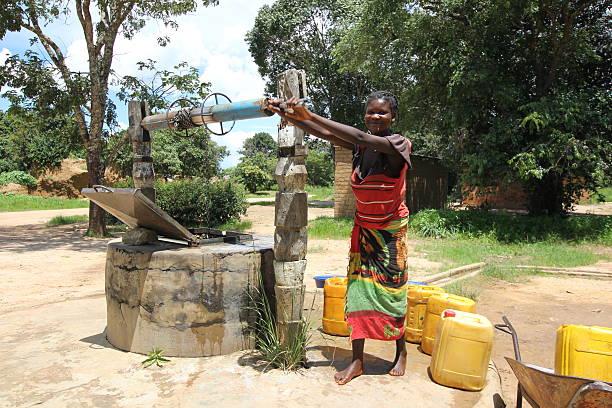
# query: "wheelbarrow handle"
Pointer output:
{"type": "Point", "coordinates": [507, 328]}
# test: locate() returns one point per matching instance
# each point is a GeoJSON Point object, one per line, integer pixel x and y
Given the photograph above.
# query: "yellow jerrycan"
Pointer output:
{"type": "Point", "coordinates": [584, 351]}
{"type": "Point", "coordinates": [462, 350]}
{"type": "Point", "coordinates": [334, 292]}
{"type": "Point", "coordinates": [417, 306]}
{"type": "Point", "coordinates": [436, 304]}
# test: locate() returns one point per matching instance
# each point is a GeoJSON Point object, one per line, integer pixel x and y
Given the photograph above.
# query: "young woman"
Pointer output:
{"type": "Point", "coordinates": [377, 271]}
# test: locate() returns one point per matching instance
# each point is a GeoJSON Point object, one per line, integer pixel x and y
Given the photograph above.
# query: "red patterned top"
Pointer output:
{"type": "Point", "coordinates": [380, 192]}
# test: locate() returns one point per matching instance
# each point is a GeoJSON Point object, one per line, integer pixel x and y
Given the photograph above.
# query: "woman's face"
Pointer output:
{"type": "Point", "coordinates": [378, 116]}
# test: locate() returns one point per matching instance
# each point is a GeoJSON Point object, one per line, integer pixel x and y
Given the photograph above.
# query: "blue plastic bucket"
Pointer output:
{"type": "Point", "coordinates": [320, 279]}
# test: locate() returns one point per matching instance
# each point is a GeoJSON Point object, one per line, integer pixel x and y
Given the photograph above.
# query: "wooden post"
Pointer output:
{"type": "Point", "coordinates": [142, 162]}
{"type": "Point", "coordinates": [291, 214]}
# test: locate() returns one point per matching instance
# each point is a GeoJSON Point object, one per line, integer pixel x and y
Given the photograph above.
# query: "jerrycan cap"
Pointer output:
{"type": "Point", "coordinates": [449, 313]}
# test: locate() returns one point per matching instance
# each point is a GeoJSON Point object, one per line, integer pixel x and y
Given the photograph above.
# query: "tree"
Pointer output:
{"type": "Point", "coordinates": [88, 92]}
{"type": "Point", "coordinates": [261, 142]}
{"type": "Point", "coordinates": [33, 143]}
{"type": "Point", "coordinates": [511, 91]}
{"type": "Point", "coordinates": [162, 85]}
{"type": "Point", "coordinates": [302, 34]}
{"type": "Point", "coordinates": [258, 162]}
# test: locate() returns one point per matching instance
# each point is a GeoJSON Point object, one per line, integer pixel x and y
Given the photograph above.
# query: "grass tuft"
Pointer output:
{"type": "Point", "coordinates": [288, 357]}
{"type": "Point", "coordinates": [463, 288]}
{"type": "Point", "coordinates": [66, 219]}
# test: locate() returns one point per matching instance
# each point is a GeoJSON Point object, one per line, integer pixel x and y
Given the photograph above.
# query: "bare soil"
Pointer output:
{"type": "Point", "coordinates": [45, 266]}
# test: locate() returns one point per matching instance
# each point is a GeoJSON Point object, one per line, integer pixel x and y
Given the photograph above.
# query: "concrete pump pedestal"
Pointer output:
{"type": "Point", "coordinates": [189, 302]}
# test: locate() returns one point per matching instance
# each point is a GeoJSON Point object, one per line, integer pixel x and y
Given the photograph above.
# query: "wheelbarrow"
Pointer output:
{"type": "Point", "coordinates": [542, 388]}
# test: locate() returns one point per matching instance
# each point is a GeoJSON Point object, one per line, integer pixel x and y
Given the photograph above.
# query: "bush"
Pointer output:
{"type": "Point", "coordinates": [320, 168]}
{"type": "Point", "coordinates": [199, 203]}
{"type": "Point", "coordinates": [511, 228]}
{"type": "Point", "coordinates": [17, 177]}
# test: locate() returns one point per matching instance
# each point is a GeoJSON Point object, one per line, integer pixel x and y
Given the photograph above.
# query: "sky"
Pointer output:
{"type": "Point", "coordinates": [211, 39]}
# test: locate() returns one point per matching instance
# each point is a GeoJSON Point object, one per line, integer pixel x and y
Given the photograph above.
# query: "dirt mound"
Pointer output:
{"type": "Point", "coordinates": [65, 181]}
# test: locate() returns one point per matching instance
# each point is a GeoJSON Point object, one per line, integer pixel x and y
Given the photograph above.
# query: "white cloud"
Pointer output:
{"type": "Point", "coordinates": [4, 54]}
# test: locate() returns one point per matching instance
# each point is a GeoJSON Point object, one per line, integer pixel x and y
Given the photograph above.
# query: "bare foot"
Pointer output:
{"type": "Point", "coordinates": [355, 369]}
{"type": "Point", "coordinates": [399, 365]}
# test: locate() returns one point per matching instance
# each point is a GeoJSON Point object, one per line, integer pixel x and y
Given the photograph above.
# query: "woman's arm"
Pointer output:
{"type": "Point", "coordinates": [299, 114]}
{"type": "Point", "coordinates": [318, 131]}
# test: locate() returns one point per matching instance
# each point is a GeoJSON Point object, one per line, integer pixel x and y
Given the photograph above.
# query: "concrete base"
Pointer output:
{"type": "Point", "coordinates": [190, 302]}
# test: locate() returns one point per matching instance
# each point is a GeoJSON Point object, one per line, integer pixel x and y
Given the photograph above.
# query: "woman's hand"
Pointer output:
{"type": "Point", "coordinates": [292, 108]}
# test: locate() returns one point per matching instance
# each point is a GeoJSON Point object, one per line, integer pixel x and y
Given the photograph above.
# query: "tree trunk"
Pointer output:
{"type": "Point", "coordinates": [95, 169]}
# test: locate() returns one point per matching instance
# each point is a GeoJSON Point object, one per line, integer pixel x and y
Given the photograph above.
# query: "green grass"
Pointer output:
{"type": "Point", "coordinates": [66, 219]}
{"type": "Point", "coordinates": [235, 225]}
{"type": "Point", "coordinates": [22, 202]}
{"type": "Point", "coordinates": [509, 228]}
{"type": "Point", "coordinates": [505, 273]}
{"type": "Point", "coordinates": [606, 192]}
{"type": "Point", "coordinates": [320, 193]}
{"type": "Point", "coordinates": [458, 252]}
{"type": "Point", "coordinates": [262, 194]}
{"type": "Point", "coordinates": [330, 228]}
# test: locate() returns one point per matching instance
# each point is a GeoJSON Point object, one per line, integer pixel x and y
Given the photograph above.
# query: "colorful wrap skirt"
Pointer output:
{"type": "Point", "coordinates": [377, 281]}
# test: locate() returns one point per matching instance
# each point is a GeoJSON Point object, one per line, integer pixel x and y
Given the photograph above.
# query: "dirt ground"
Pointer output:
{"type": "Point", "coordinates": [46, 268]}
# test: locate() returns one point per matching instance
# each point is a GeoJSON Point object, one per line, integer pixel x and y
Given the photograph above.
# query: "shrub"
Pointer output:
{"type": "Point", "coordinates": [196, 202]}
{"type": "Point", "coordinates": [17, 177]}
{"type": "Point", "coordinates": [320, 168]}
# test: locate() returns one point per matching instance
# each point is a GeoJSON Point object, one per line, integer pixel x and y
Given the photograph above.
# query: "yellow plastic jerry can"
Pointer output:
{"type": "Point", "coordinates": [334, 292]}
{"type": "Point", "coordinates": [436, 304]}
{"type": "Point", "coordinates": [417, 306]}
{"type": "Point", "coordinates": [584, 351]}
{"type": "Point", "coordinates": [462, 350]}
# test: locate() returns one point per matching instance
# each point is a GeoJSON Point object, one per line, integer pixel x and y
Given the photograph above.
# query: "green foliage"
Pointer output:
{"type": "Point", "coordinates": [197, 202]}
{"type": "Point", "coordinates": [330, 228]}
{"type": "Point", "coordinates": [504, 91]}
{"type": "Point", "coordinates": [30, 141]}
{"type": "Point", "coordinates": [17, 177]}
{"type": "Point", "coordinates": [253, 177]}
{"type": "Point", "coordinates": [235, 225]}
{"type": "Point", "coordinates": [155, 357]}
{"type": "Point", "coordinates": [320, 168]}
{"type": "Point", "coordinates": [173, 154]}
{"type": "Point", "coordinates": [503, 272]}
{"type": "Point", "coordinates": [511, 228]}
{"type": "Point", "coordinates": [19, 202]}
{"type": "Point", "coordinates": [66, 219]}
{"type": "Point", "coordinates": [261, 142]}
{"type": "Point", "coordinates": [301, 34]}
{"type": "Point", "coordinates": [158, 87]}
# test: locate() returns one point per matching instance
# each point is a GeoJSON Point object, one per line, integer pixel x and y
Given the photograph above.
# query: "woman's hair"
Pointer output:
{"type": "Point", "coordinates": [388, 97]}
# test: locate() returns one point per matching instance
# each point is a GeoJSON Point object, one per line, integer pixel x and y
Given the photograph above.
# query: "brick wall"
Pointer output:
{"type": "Point", "coordinates": [426, 184]}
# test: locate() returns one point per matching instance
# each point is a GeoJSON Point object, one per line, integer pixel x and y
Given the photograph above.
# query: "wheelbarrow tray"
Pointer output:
{"type": "Point", "coordinates": [542, 388]}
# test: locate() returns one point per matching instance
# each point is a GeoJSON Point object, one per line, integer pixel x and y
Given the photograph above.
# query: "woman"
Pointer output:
{"type": "Point", "coordinates": [377, 272]}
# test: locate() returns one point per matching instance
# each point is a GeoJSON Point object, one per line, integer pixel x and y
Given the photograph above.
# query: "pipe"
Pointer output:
{"type": "Point", "coordinates": [223, 112]}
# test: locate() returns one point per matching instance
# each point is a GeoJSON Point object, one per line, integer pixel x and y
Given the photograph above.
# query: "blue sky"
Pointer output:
{"type": "Point", "coordinates": [212, 39]}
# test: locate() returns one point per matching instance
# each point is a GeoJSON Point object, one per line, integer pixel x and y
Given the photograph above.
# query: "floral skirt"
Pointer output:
{"type": "Point", "coordinates": [377, 278]}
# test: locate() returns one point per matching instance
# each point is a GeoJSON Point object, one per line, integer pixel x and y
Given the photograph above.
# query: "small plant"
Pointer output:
{"type": "Point", "coordinates": [155, 357]}
{"type": "Point", "coordinates": [463, 288]}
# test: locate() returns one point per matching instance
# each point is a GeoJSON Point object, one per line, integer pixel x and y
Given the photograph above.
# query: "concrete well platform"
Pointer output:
{"type": "Point", "coordinates": [190, 302]}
